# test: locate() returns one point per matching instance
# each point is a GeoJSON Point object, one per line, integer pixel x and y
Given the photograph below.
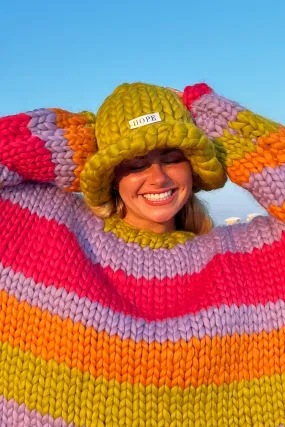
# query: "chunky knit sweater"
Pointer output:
{"type": "Point", "coordinates": [102, 324]}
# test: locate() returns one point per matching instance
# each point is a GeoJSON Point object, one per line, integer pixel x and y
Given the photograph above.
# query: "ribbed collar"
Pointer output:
{"type": "Point", "coordinates": [145, 238]}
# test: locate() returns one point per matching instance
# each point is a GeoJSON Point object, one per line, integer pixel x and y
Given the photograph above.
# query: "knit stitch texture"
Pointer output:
{"type": "Point", "coordinates": [104, 325]}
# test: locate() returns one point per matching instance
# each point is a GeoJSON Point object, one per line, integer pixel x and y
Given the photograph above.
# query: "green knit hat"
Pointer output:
{"type": "Point", "coordinates": [136, 119]}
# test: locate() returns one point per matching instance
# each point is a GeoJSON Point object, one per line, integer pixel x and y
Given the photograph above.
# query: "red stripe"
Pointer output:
{"type": "Point", "coordinates": [22, 152]}
{"type": "Point", "coordinates": [49, 253]}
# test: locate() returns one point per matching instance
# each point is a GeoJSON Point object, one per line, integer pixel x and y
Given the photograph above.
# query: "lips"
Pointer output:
{"type": "Point", "coordinates": [159, 198]}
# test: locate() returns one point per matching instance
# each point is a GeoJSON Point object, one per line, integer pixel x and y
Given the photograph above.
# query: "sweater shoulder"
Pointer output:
{"type": "Point", "coordinates": [47, 201]}
{"type": "Point", "coordinates": [244, 237]}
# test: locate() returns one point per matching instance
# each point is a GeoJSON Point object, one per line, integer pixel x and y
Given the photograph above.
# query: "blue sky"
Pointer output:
{"type": "Point", "coordinates": [73, 54]}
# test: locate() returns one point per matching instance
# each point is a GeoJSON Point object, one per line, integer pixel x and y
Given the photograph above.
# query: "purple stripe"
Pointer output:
{"type": "Point", "coordinates": [8, 177]}
{"type": "Point", "coordinates": [213, 112]}
{"type": "Point", "coordinates": [69, 209]}
{"type": "Point", "coordinates": [268, 187]}
{"type": "Point", "coordinates": [43, 125]}
{"type": "Point", "coordinates": [220, 321]}
{"type": "Point", "coordinates": [14, 415]}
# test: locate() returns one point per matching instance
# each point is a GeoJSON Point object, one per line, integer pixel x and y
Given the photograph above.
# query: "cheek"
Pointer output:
{"type": "Point", "coordinates": [128, 186]}
{"type": "Point", "coordinates": [182, 175]}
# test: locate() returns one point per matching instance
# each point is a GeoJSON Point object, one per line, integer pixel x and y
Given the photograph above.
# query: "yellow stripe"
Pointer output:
{"type": "Point", "coordinates": [76, 396]}
{"type": "Point", "coordinates": [196, 362]}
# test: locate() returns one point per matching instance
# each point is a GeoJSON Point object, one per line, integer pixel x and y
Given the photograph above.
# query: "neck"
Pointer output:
{"type": "Point", "coordinates": [155, 227]}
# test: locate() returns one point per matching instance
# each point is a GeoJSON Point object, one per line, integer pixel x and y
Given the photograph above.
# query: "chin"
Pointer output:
{"type": "Point", "coordinates": [160, 219]}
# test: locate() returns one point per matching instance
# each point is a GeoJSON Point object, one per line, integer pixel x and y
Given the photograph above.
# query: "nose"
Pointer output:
{"type": "Point", "coordinates": [157, 174]}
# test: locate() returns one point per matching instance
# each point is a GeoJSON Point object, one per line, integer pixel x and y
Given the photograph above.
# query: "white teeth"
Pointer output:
{"type": "Point", "coordinates": [161, 196]}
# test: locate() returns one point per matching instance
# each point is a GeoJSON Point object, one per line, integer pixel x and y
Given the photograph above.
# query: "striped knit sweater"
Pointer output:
{"type": "Point", "coordinates": [105, 325]}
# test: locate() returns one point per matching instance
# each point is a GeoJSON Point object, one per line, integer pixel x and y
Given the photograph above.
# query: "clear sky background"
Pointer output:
{"type": "Point", "coordinates": [72, 54]}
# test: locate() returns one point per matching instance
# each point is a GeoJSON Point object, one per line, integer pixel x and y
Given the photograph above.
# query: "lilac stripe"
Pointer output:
{"type": "Point", "coordinates": [69, 209]}
{"type": "Point", "coordinates": [14, 415]}
{"type": "Point", "coordinates": [212, 114]}
{"type": "Point", "coordinates": [220, 321]}
{"type": "Point", "coordinates": [268, 187]}
{"type": "Point", "coordinates": [8, 177]}
{"type": "Point", "coordinates": [43, 125]}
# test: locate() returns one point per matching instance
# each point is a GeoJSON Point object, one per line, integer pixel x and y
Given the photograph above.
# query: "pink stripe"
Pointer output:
{"type": "Point", "coordinates": [221, 321]}
{"type": "Point", "coordinates": [49, 253]}
{"type": "Point", "coordinates": [23, 153]}
{"type": "Point", "coordinates": [68, 209]}
{"type": "Point", "coordinates": [14, 415]}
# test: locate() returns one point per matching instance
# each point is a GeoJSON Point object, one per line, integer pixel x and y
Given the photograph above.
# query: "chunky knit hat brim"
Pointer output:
{"type": "Point", "coordinates": [98, 173]}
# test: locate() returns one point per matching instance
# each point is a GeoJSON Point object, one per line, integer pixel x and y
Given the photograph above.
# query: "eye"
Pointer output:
{"type": "Point", "coordinates": [137, 166]}
{"type": "Point", "coordinates": [173, 157]}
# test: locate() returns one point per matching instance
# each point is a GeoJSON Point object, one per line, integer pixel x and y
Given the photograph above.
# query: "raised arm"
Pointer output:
{"type": "Point", "coordinates": [45, 145]}
{"type": "Point", "coordinates": [251, 147]}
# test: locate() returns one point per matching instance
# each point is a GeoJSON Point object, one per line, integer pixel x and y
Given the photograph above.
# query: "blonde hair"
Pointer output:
{"type": "Point", "coordinates": [192, 217]}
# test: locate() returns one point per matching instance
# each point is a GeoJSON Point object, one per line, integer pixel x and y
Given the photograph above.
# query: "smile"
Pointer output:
{"type": "Point", "coordinates": [161, 196]}
{"type": "Point", "coordinates": [160, 199]}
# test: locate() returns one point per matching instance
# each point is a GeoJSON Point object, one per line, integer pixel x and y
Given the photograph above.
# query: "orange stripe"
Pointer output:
{"type": "Point", "coordinates": [197, 362]}
{"type": "Point", "coordinates": [270, 152]}
{"type": "Point", "coordinates": [80, 133]}
{"type": "Point", "coordinates": [277, 211]}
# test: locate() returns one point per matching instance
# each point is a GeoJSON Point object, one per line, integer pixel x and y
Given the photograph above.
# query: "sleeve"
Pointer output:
{"type": "Point", "coordinates": [46, 145]}
{"type": "Point", "coordinates": [250, 147]}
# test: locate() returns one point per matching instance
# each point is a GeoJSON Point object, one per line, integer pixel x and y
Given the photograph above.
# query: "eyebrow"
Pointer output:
{"type": "Point", "coordinates": [170, 150]}
{"type": "Point", "coordinates": [164, 151]}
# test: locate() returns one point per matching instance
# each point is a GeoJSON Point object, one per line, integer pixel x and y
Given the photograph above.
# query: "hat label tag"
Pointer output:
{"type": "Point", "coordinates": [144, 120]}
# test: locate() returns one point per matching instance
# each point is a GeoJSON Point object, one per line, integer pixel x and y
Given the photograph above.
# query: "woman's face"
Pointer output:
{"type": "Point", "coordinates": [154, 188]}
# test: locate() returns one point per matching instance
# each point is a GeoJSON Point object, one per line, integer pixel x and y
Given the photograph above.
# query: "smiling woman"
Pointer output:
{"type": "Point", "coordinates": [117, 309]}
{"type": "Point", "coordinates": [154, 192]}
{"type": "Point", "coordinates": [154, 188]}
{"type": "Point", "coordinates": [162, 160]}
